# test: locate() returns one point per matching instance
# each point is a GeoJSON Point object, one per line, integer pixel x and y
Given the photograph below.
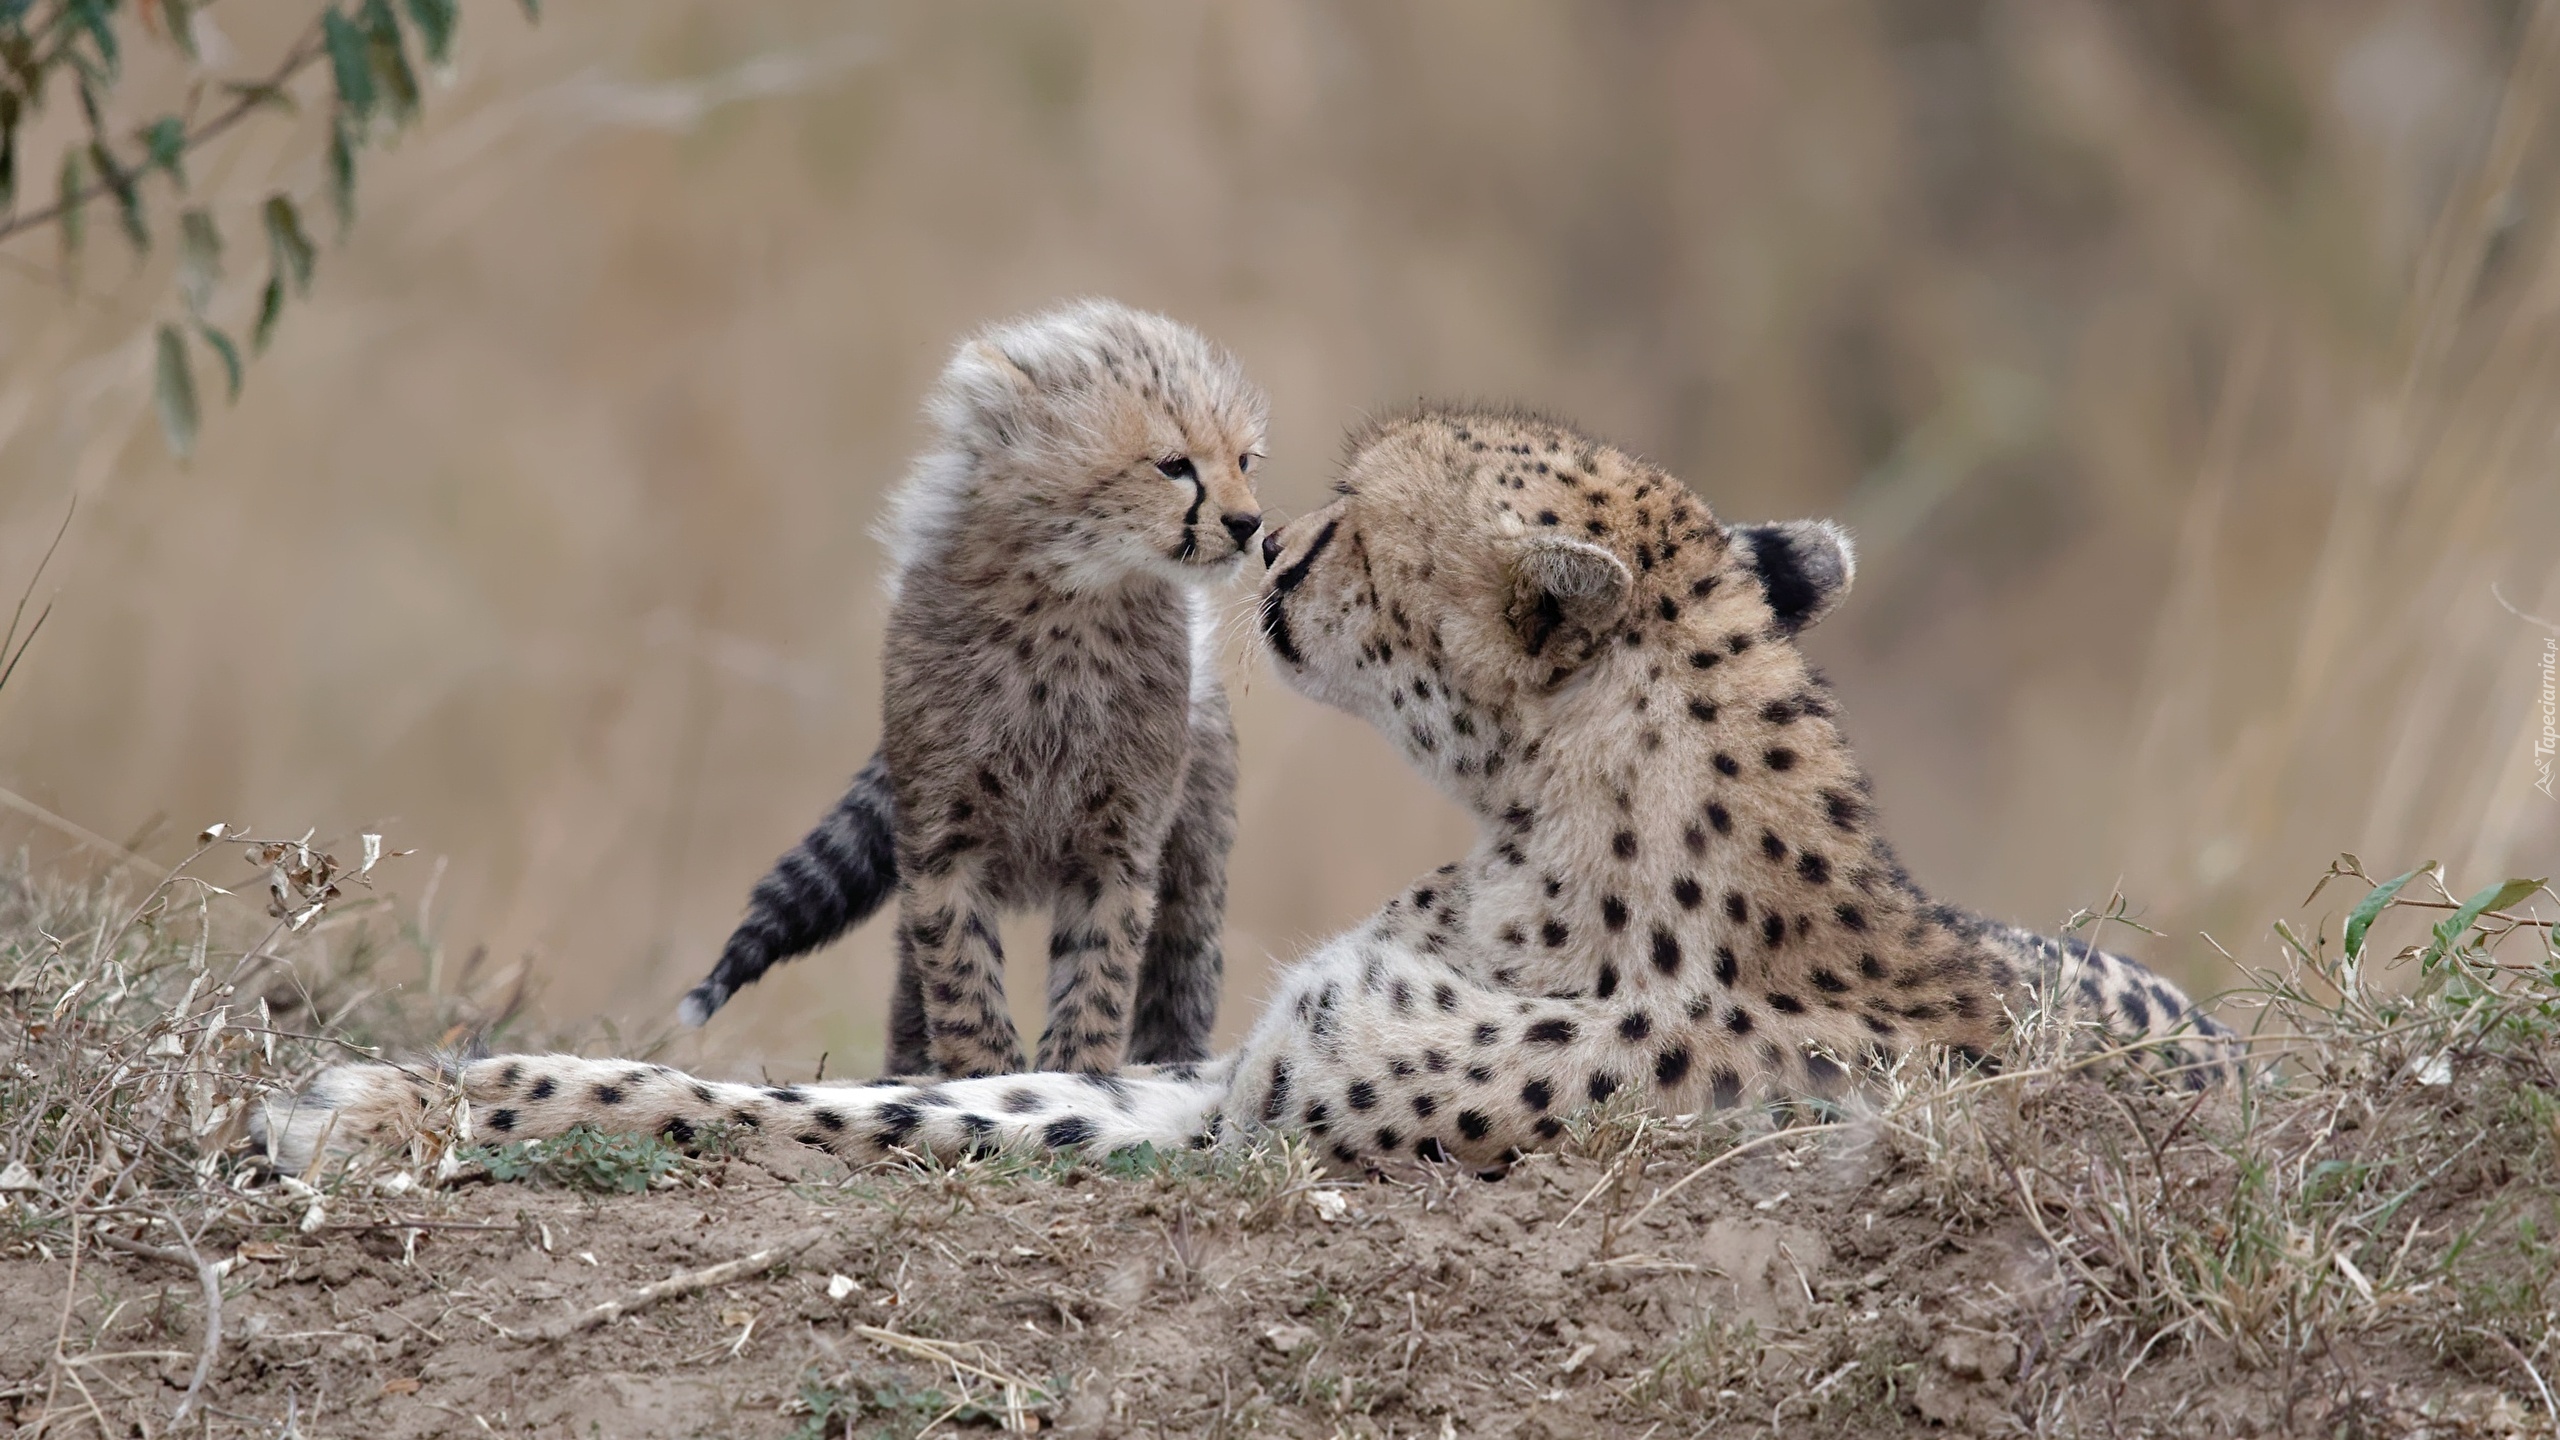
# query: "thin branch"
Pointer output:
{"type": "Point", "coordinates": [208, 1277]}
{"type": "Point", "coordinates": [12, 800]}
{"type": "Point", "coordinates": [255, 96]}
{"type": "Point", "coordinates": [683, 1282]}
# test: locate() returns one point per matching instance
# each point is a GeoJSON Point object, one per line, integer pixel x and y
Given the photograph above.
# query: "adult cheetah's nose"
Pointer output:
{"type": "Point", "coordinates": [1241, 524]}
{"type": "Point", "coordinates": [1270, 549]}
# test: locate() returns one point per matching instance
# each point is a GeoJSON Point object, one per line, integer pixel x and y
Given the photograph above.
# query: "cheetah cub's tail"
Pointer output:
{"type": "Point", "coordinates": [830, 882]}
{"type": "Point", "coordinates": [530, 1097]}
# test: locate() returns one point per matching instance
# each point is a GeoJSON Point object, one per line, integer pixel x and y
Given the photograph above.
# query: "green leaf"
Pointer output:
{"type": "Point", "coordinates": [2371, 907]}
{"type": "Point", "coordinates": [349, 64]}
{"type": "Point", "coordinates": [342, 171]}
{"type": "Point", "coordinates": [388, 52]}
{"type": "Point", "coordinates": [2496, 897]}
{"type": "Point", "coordinates": [199, 259]}
{"type": "Point", "coordinates": [181, 15]}
{"type": "Point", "coordinates": [165, 141]}
{"type": "Point", "coordinates": [120, 184]}
{"type": "Point", "coordinates": [73, 184]}
{"type": "Point", "coordinates": [435, 20]}
{"type": "Point", "coordinates": [90, 16]}
{"type": "Point", "coordinates": [9, 104]}
{"type": "Point", "coordinates": [229, 355]}
{"type": "Point", "coordinates": [270, 310]}
{"type": "Point", "coordinates": [18, 52]}
{"type": "Point", "coordinates": [174, 389]}
{"type": "Point", "coordinates": [288, 248]}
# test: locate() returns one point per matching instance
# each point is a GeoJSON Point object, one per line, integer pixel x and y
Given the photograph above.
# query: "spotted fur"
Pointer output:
{"type": "Point", "coordinates": [1054, 730]}
{"type": "Point", "coordinates": [1677, 889]}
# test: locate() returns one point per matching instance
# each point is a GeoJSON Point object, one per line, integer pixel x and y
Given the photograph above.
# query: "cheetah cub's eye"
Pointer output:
{"type": "Point", "coordinates": [1244, 463]}
{"type": "Point", "coordinates": [1177, 468]}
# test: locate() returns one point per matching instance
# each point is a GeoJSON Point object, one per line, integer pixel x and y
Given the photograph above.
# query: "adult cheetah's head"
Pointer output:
{"type": "Point", "coordinates": [1477, 568]}
{"type": "Point", "coordinates": [1131, 435]}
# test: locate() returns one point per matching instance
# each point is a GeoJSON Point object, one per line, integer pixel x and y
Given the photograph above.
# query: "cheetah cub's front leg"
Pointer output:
{"type": "Point", "coordinates": [949, 924]}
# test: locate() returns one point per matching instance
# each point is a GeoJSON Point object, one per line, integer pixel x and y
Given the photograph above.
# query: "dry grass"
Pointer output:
{"type": "Point", "coordinates": [2360, 1238]}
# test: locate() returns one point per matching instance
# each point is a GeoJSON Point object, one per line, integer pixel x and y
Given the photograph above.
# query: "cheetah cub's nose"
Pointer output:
{"type": "Point", "coordinates": [1270, 549]}
{"type": "Point", "coordinates": [1241, 525]}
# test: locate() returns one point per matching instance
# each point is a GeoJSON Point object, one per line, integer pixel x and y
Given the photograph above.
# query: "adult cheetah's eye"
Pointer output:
{"type": "Point", "coordinates": [1244, 463]}
{"type": "Point", "coordinates": [1177, 468]}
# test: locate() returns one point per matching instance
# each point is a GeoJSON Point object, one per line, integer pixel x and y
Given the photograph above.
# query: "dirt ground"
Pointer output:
{"type": "Point", "coordinates": [1815, 1283]}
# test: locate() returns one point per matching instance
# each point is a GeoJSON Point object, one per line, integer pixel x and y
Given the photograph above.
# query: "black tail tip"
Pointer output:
{"type": "Point", "coordinates": [699, 1003]}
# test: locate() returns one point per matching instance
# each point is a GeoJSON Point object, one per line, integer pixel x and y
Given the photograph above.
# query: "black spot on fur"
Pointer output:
{"type": "Point", "coordinates": [1071, 1130]}
{"type": "Point", "coordinates": [608, 1095]}
{"type": "Point", "coordinates": [1666, 951]}
{"type": "Point", "coordinates": [1726, 965]}
{"type": "Point", "coordinates": [1473, 1124]}
{"type": "Point", "coordinates": [502, 1121]}
{"type": "Point", "coordinates": [1537, 1094]}
{"type": "Point", "coordinates": [1685, 890]}
{"type": "Point", "coordinates": [543, 1089]}
{"type": "Point", "coordinates": [1550, 1032]}
{"type": "Point", "coordinates": [1786, 1004]}
{"type": "Point", "coordinates": [1362, 1095]}
{"type": "Point", "coordinates": [1636, 1025]}
{"type": "Point", "coordinates": [1720, 818]}
{"type": "Point", "coordinates": [1613, 912]}
{"type": "Point", "coordinates": [1623, 844]}
{"type": "Point", "coordinates": [1671, 1066]}
{"type": "Point", "coordinates": [1726, 765]}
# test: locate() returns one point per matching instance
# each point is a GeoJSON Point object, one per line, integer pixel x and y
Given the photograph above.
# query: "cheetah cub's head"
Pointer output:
{"type": "Point", "coordinates": [1481, 574]}
{"type": "Point", "coordinates": [1124, 439]}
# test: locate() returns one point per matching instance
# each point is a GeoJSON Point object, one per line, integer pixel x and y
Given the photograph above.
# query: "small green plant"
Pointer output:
{"type": "Point", "coordinates": [582, 1158]}
{"type": "Point", "coordinates": [902, 1410]}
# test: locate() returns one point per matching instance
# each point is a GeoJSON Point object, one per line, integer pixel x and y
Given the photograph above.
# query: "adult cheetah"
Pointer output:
{"type": "Point", "coordinates": [1676, 888]}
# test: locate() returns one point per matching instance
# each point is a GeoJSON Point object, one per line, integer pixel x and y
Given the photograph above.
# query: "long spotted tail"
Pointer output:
{"type": "Point", "coordinates": [830, 882]}
{"type": "Point", "coordinates": [531, 1097]}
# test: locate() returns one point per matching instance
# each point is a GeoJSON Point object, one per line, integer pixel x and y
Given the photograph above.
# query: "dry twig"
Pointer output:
{"type": "Point", "coordinates": [683, 1282]}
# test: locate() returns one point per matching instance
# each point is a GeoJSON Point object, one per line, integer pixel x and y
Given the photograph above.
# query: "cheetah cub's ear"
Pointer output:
{"type": "Point", "coordinates": [1563, 587]}
{"type": "Point", "coordinates": [1805, 565]}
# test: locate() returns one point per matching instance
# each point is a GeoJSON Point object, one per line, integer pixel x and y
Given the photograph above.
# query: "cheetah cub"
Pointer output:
{"type": "Point", "coordinates": [1054, 730]}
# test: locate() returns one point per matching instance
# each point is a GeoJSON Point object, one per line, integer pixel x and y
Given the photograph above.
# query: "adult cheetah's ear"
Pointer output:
{"type": "Point", "coordinates": [1805, 565]}
{"type": "Point", "coordinates": [1565, 587]}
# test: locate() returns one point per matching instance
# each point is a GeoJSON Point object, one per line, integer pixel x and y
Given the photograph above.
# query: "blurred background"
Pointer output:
{"type": "Point", "coordinates": [2187, 371]}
